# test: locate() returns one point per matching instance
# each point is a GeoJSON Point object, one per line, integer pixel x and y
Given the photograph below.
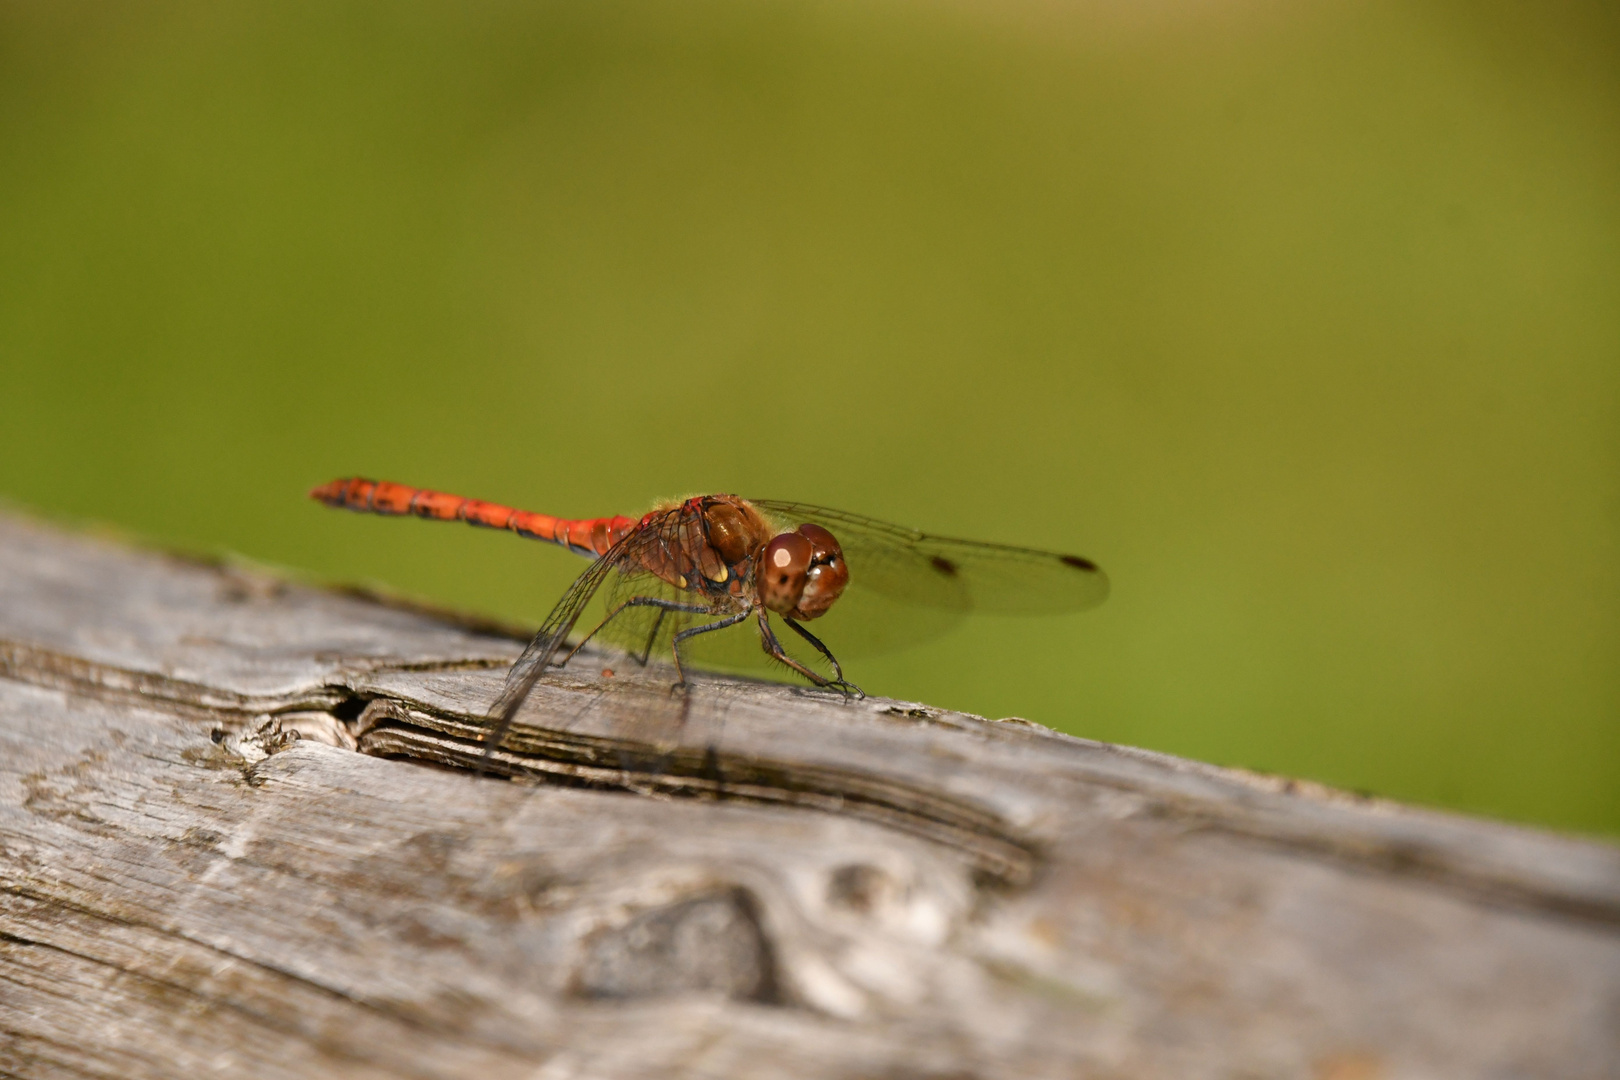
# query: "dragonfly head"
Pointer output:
{"type": "Point", "coordinates": [802, 572]}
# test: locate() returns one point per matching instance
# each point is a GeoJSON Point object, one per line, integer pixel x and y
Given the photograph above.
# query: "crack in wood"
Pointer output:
{"type": "Point", "coordinates": [644, 769]}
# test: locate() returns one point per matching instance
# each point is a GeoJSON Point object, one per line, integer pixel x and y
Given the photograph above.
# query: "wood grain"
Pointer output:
{"type": "Point", "coordinates": [239, 836]}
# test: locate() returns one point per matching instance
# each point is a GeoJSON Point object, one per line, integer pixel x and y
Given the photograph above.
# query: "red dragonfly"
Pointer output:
{"type": "Point", "coordinates": [710, 562]}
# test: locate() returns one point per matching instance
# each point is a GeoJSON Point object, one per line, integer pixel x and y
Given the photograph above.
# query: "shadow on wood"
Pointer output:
{"type": "Point", "coordinates": [239, 835]}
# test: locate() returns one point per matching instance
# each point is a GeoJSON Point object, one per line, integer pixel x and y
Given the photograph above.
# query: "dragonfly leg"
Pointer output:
{"type": "Point", "coordinates": [693, 631]}
{"type": "Point", "coordinates": [652, 636]}
{"type": "Point", "coordinates": [773, 647]}
{"type": "Point", "coordinates": [636, 601]}
{"type": "Point", "coordinates": [839, 682]}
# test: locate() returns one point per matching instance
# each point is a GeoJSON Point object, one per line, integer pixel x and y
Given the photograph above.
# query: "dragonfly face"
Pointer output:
{"type": "Point", "coordinates": [827, 575]}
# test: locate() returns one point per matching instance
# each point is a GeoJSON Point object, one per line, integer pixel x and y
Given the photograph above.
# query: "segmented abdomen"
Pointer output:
{"type": "Point", "coordinates": [588, 536]}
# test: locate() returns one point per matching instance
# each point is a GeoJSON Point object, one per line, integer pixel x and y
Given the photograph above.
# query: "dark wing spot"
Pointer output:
{"type": "Point", "coordinates": [1077, 562]}
{"type": "Point", "coordinates": [944, 565]}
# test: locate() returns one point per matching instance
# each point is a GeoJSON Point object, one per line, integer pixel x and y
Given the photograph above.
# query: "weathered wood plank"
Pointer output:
{"type": "Point", "coordinates": [855, 889]}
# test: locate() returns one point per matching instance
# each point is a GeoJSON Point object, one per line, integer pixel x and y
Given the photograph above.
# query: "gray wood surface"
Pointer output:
{"type": "Point", "coordinates": [200, 875]}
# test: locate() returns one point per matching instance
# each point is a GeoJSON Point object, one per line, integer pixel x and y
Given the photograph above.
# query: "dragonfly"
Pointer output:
{"type": "Point", "coordinates": [690, 569]}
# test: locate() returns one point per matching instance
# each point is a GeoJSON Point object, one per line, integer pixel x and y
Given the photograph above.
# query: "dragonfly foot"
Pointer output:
{"type": "Point", "coordinates": [845, 687]}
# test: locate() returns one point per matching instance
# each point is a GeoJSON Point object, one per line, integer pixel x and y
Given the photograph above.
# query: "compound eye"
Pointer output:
{"type": "Point", "coordinates": [820, 539]}
{"type": "Point", "coordinates": [829, 573]}
{"type": "Point", "coordinates": [782, 570]}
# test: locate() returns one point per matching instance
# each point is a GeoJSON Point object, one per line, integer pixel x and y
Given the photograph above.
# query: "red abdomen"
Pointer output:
{"type": "Point", "coordinates": [587, 536]}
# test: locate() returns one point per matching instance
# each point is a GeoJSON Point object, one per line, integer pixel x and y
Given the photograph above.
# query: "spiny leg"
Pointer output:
{"type": "Point", "coordinates": [693, 631]}
{"type": "Point", "coordinates": [666, 607]}
{"type": "Point", "coordinates": [839, 681]}
{"type": "Point", "coordinates": [773, 647]}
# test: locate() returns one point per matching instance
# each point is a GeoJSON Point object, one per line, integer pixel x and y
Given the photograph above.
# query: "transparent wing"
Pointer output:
{"type": "Point", "coordinates": [908, 567]}
{"type": "Point", "coordinates": [547, 641]}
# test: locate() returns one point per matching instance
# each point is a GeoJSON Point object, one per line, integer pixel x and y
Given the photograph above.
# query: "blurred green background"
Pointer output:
{"type": "Point", "coordinates": [1302, 319]}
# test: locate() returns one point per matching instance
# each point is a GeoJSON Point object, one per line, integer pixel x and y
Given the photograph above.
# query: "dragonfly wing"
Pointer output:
{"type": "Point", "coordinates": [913, 568]}
{"type": "Point", "coordinates": [550, 637]}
